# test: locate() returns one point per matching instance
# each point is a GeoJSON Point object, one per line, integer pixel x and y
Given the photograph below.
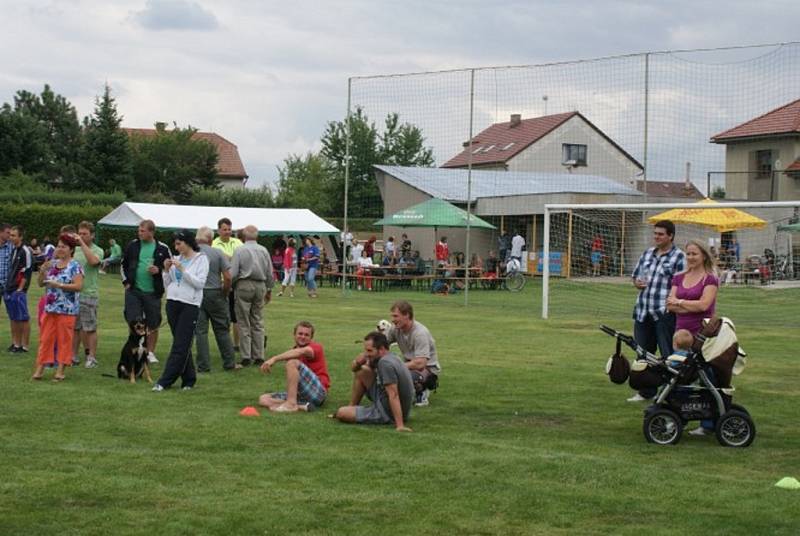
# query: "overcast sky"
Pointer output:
{"type": "Point", "coordinates": [268, 75]}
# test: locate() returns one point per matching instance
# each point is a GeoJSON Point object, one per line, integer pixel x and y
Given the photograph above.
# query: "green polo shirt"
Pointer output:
{"type": "Point", "coordinates": [144, 279]}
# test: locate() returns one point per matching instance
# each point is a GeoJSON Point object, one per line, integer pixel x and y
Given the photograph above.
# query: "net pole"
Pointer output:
{"type": "Point", "coordinates": [469, 184]}
{"type": "Point", "coordinates": [346, 181]}
{"type": "Point", "coordinates": [568, 272]}
{"type": "Point", "coordinates": [646, 119]}
{"type": "Point", "coordinates": [622, 248]}
{"type": "Point", "coordinates": [546, 264]}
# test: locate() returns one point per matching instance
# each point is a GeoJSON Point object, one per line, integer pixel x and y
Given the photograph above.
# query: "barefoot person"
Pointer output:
{"type": "Point", "coordinates": [381, 376]}
{"type": "Point", "coordinates": [307, 379]}
{"type": "Point", "coordinates": [63, 278]}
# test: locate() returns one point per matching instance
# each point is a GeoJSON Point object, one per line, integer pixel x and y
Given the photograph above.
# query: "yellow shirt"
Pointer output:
{"type": "Point", "coordinates": [228, 247]}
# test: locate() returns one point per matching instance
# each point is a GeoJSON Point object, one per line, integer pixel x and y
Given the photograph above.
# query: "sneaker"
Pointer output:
{"type": "Point", "coordinates": [186, 388]}
{"type": "Point", "coordinates": [637, 398]}
{"type": "Point", "coordinates": [157, 388]}
{"type": "Point", "coordinates": [76, 361]}
{"type": "Point", "coordinates": [101, 272]}
{"type": "Point", "coordinates": [12, 349]}
{"type": "Point", "coordinates": [280, 293]}
{"type": "Point", "coordinates": [422, 398]}
{"type": "Point", "coordinates": [91, 363]}
{"type": "Point", "coordinates": [246, 362]}
{"type": "Point", "coordinates": [22, 350]}
{"type": "Point", "coordinates": [151, 358]}
{"type": "Point", "coordinates": [258, 362]}
{"type": "Point", "coordinates": [700, 431]}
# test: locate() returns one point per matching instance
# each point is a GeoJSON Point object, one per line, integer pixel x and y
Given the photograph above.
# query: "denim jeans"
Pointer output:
{"type": "Point", "coordinates": [654, 335]}
{"type": "Point", "coordinates": [311, 279]}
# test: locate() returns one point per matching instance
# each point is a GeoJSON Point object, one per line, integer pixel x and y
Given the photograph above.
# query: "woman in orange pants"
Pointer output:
{"type": "Point", "coordinates": [63, 278]}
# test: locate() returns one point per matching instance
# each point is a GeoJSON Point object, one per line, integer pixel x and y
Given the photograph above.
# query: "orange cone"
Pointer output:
{"type": "Point", "coordinates": [249, 411]}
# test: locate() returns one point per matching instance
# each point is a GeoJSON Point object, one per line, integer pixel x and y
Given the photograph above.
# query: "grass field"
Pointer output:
{"type": "Point", "coordinates": [525, 436]}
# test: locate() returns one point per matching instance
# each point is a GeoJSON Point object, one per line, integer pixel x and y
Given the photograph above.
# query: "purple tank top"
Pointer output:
{"type": "Point", "coordinates": [694, 321]}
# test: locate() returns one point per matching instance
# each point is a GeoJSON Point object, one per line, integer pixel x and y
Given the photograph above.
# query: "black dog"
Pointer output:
{"type": "Point", "coordinates": [133, 358]}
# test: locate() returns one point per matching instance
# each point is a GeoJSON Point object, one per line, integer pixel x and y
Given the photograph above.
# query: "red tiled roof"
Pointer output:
{"type": "Point", "coordinates": [783, 120]}
{"type": "Point", "coordinates": [501, 142]}
{"type": "Point", "coordinates": [670, 189]}
{"type": "Point", "coordinates": [795, 166]}
{"type": "Point", "coordinates": [229, 164]}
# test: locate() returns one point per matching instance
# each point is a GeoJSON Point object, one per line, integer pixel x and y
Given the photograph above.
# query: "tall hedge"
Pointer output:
{"type": "Point", "coordinates": [53, 197]}
{"type": "Point", "coordinates": [45, 220]}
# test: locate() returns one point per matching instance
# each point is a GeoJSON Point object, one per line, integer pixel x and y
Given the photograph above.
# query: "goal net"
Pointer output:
{"type": "Point", "coordinates": [593, 251]}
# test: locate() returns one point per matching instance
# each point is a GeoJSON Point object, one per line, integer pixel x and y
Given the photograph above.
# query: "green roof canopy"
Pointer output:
{"type": "Point", "coordinates": [792, 227]}
{"type": "Point", "coordinates": [434, 213]}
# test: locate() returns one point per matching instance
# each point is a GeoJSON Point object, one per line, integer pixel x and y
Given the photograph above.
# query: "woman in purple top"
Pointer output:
{"type": "Point", "coordinates": [694, 292]}
{"type": "Point", "coordinates": [694, 297]}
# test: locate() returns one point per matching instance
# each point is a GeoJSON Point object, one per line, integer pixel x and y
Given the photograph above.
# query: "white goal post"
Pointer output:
{"type": "Point", "coordinates": [789, 211]}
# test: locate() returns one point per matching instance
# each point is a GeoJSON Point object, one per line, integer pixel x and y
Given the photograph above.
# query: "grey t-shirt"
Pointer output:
{"type": "Point", "coordinates": [217, 263]}
{"type": "Point", "coordinates": [391, 371]}
{"type": "Point", "coordinates": [417, 342]}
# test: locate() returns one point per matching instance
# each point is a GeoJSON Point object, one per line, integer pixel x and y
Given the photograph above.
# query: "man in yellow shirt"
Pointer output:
{"type": "Point", "coordinates": [227, 244]}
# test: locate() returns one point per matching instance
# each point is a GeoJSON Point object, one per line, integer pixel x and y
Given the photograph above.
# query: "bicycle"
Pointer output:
{"type": "Point", "coordinates": [514, 279]}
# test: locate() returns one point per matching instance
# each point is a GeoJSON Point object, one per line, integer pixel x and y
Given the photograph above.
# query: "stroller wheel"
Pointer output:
{"type": "Point", "coordinates": [735, 429]}
{"type": "Point", "coordinates": [662, 427]}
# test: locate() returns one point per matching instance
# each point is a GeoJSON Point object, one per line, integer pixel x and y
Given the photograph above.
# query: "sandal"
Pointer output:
{"type": "Point", "coordinates": [284, 409]}
{"type": "Point", "coordinates": [37, 378]}
{"type": "Point", "coordinates": [57, 379]}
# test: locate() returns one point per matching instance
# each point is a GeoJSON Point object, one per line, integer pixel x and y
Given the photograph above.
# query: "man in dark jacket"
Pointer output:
{"type": "Point", "coordinates": [20, 268]}
{"type": "Point", "coordinates": [141, 269]}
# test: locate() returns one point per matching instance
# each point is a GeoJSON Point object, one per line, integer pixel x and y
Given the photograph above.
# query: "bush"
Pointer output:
{"type": "Point", "coordinates": [45, 220]}
{"type": "Point", "coordinates": [233, 197]}
{"type": "Point", "coordinates": [357, 225]}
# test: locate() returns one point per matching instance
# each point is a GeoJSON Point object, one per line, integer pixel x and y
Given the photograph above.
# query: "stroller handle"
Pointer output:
{"type": "Point", "coordinates": [627, 339]}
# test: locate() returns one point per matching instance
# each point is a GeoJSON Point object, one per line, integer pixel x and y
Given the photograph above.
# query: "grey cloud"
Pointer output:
{"type": "Point", "coordinates": [175, 15]}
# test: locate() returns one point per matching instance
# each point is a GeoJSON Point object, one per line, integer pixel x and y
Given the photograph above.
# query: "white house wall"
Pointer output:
{"type": "Point", "coordinates": [602, 157]}
{"type": "Point", "coordinates": [745, 185]}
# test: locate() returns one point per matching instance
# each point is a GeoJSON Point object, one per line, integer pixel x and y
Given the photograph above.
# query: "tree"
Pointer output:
{"type": "Point", "coordinates": [170, 162]}
{"type": "Point", "coordinates": [105, 155]}
{"type": "Point", "coordinates": [307, 182]}
{"type": "Point", "coordinates": [23, 143]}
{"type": "Point", "coordinates": [398, 145]}
{"type": "Point", "coordinates": [718, 192]}
{"type": "Point", "coordinates": [58, 134]}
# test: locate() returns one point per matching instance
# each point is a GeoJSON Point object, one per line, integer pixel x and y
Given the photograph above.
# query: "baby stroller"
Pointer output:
{"type": "Point", "coordinates": [686, 391]}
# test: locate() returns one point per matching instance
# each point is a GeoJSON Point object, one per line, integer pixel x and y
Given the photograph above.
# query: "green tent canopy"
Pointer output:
{"type": "Point", "coordinates": [434, 213]}
{"type": "Point", "coordinates": [791, 227]}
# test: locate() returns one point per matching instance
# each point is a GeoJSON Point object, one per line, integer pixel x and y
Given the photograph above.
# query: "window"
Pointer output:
{"type": "Point", "coordinates": [763, 164]}
{"type": "Point", "coordinates": [573, 154]}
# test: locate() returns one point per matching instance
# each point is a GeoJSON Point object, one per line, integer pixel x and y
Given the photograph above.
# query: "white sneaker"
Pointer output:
{"type": "Point", "coordinates": [151, 358]}
{"type": "Point", "coordinates": [637, 398]}
{"type": "Point", "coordinates": [700, 431]}
{"type": "Point", "coordinates": [157, 388]}
{"type": "Point", "coordinates": [91, 363]}
{"type": "Point", "coordinates": [422, 398]}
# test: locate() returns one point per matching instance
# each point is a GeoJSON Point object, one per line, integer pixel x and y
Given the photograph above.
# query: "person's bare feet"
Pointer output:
{"type": "Point", "coordinates": [285, 408]}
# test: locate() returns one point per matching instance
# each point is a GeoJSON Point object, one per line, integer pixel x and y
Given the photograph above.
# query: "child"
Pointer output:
{"type": "Point", "coordinates": [681, 343]}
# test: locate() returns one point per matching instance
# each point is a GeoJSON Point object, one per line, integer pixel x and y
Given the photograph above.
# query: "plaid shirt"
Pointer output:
{"type": "Point", "coordinates": [5, 260]}
{"type": "Point", "coordinates": [652, 300]}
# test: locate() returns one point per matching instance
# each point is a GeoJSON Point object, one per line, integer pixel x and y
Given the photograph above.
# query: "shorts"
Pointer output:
{"type": "Point", "coordinates": [309, 388]}
{"type": "Point", "coordinates": [87, 318]}
{"type": "Point", "coordinates": [145, 305]}
{"type": "Point", "coordinates": [596, 257]}
{"type": "Point", "coordinates": [376, 413]}
{"type": "Point", "coordinates": [232, 307]}
{"type": "Point", "coordinates": [424, 379]}
{"type": "Point", "coordinates": [17, 306]}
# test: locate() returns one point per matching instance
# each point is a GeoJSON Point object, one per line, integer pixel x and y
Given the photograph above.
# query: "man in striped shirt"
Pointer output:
{"type": "Point", "coordinates": [653, 325]}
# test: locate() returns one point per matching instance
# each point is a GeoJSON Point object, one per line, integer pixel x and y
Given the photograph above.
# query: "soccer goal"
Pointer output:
{"type": "Point", "coordinates": [590, 251]}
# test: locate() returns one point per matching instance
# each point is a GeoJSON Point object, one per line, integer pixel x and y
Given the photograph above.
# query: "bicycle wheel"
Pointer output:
{"type": "Point", "coordinates": [515, 282]}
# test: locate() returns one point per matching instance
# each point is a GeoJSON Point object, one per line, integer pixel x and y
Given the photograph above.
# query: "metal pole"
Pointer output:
{"type": "Point", "coordinates": [708, 184]}
{"type": "Point", "coordinates": [469, 184]}
{"type": "Point", "coordinates": [346, 181]}
{"type": "Point", "coordinates": [646, 118]}
{"type": "Point", "coordinates": [622, 248]}
{"type": "Point", "coordinates": [569, 246]}
{"type": "Point", "coordinates": [546, 264]}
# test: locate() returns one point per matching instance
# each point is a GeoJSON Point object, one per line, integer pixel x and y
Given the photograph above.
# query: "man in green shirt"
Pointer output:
{"type": "Point", "coordinates": [89, 255]}
{"type": "Point", "coordinates": [114, 256]}
{"type": "Point", "coordinates": [227, 244]}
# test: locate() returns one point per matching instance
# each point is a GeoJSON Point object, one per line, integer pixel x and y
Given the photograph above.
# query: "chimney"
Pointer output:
{"type": "Point", "coordinates": [687, 183]}
{"type": "Point", "coordinates": [516, 119]}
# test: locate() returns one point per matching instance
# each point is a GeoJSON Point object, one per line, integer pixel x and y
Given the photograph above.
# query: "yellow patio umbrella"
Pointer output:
{"type": "Point", "coordinates": [720, 219]}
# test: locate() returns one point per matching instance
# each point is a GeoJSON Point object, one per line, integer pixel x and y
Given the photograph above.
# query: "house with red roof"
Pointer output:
{"type": "Point", "coordinates": [762, 156]}
{"type": "Point", "coordinates": [230, 169]}
{"type": "Point", "coordinates": [558, 143]}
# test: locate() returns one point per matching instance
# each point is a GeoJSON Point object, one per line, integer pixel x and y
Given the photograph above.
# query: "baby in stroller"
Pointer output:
{"type": "Point", "coordinates": [694, 384]}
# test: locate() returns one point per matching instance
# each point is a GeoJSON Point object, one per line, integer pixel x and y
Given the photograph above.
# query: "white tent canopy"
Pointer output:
{"type": "Point", "coordinates": [275, 221]}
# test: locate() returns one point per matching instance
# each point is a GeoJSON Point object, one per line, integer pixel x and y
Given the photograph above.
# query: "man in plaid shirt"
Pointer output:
{"type": "Point", "coordinates": [6, 248]}
{"type": "Point", "coordinates": [653, 325]}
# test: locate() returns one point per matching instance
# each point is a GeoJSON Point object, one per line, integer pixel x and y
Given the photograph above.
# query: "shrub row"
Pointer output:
{"type": "Point", "coordinates": [45, 220]}
{"type": "Point", "coordinates": [52, 197]}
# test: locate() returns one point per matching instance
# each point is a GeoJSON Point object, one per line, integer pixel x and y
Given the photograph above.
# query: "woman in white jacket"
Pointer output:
{"type": "Point", "coordinates": [184, 278]}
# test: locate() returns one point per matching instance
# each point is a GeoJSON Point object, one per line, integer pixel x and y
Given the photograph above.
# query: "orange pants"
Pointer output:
{"type": "Point", "coordinates": [360, 276]}
{"type": "Point", "coordinates": [56, 330]}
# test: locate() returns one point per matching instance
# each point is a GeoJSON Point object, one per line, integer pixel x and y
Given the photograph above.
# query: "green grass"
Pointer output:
{"type": "Point", "coordinates": [525, 436]}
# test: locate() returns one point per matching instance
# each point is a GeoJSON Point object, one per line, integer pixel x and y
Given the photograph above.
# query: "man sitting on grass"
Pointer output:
{"type": "Point", "coordinates": [381, 376]}
{"type": "Point", "coordinates": [418, 349]}
{"type": "Point", "coordinates": [307, 380]}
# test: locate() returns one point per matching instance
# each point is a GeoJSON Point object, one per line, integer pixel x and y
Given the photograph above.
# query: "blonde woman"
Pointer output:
{"type": "Point", "coordinates": [693, 296]}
